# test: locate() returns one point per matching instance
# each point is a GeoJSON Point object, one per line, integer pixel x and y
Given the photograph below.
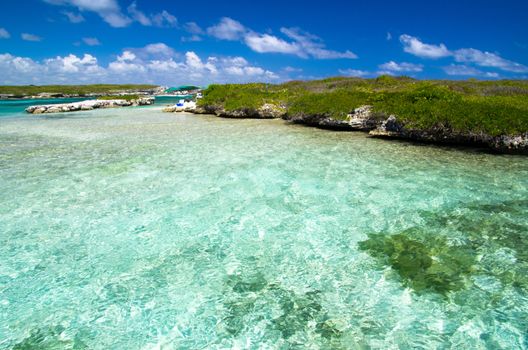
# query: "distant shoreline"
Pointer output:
{"type": "Point", "coordinates": [24, 92]}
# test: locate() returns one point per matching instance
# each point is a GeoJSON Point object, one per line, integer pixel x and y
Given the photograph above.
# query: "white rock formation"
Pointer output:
{"type": "Point", "coordinates": [88, 105]}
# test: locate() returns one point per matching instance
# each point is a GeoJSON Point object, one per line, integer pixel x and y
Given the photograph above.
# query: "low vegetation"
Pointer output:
{"type": "Point", "coordinates": [81, 90]}
{"type": "Point", "coordinates": [119, 97]}
{"type": "Point", "coordinates": [490, 107]}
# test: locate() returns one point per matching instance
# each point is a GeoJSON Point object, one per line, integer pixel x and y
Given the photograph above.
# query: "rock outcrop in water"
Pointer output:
{"type": "Point", "coordinates": [378, 125]}
{"type": "Point", "coordinates": [266, 111]}
{"type": "Point", "coordinates": [88, 105]}
{"type": "Point", "coordinates": [392, 128]}
{"type": "Point", "coordinates": [361, 119]}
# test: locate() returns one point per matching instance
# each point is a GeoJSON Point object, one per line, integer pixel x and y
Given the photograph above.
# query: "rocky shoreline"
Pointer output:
{"type": "Point", "coordinates": [379, 126]}
{"type": "Point", "coordinates": [88, 105]}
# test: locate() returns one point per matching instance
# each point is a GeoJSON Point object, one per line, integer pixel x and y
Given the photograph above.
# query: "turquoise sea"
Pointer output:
{"type": "Point", "coordinates": [135, 229]}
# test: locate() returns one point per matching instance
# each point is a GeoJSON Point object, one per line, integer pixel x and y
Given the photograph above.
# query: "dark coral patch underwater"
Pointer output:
{"type": "Point", "coordinates": [452, 247]}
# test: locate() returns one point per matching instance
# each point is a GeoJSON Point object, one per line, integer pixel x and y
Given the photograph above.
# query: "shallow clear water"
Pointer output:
{"type": "Point", "coordinates": [135, 229]}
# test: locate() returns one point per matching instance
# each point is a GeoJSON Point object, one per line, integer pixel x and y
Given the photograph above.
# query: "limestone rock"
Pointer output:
{"type": "Point", "coordinates": [88, 105]}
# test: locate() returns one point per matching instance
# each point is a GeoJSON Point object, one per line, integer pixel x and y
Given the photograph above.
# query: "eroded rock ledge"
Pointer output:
{"type": "Point", "coordinates": [392, 128]}
{"type": "Point", "coordinates": [88, 105]}
{"type": "Point", "coordinates": [380, 126]}
{"type": "Point", "coordinates": [266, 111]}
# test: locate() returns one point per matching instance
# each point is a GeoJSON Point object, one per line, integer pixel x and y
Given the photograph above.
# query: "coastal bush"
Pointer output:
{"type": "Point", "coordinates": [336, 104]}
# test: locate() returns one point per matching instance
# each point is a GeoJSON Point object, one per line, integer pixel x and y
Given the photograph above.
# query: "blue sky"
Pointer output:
{"type": "Point", "coordinates": [164, 42]}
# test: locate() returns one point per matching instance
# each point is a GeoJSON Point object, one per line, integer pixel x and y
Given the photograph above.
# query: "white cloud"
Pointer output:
{"type": "Point", "coordinates": [313, 46]}
{"type": "Point", "coordinates": [415, 47]}
{"type": "Point", "coordinates": [108, 10]}
{"type": "Point", "coordinates": [126, 56]}
{"type": "Point", "coordinates": [389, 36]}
{"type": "Point", "coordinates": [264, 43]}
{"type": "Point", "coordinates": [74, 17]}
{"type": "Point", "coordinates": [30, 37]}
{"type": "Point", "coordinates": [164, 19]}
{"type": "Point", "coordinates": [193, 28]}
{"type": "Point", "coordinates": [302, 44]}
{"type": "Point", "coordinates": [158, 49]}
{"type": "Point", "coordinates": [192, 38]}
{"type": "Point", "coordinates": [138, 15]}
{"type": "Point", "coordinates": [15, 65]}
{"type": "Point", "coordinates": [392, 66]}
{"type": "Point", "coordinates": [462, 70]}
{"type": "Point", "coordinates": [4, 34]}
{"type": "Point", "coordinates": [488, 59]}
{"type": "Point", "coordinates": [71, 63]}
{"type": "Point", "coordinates": [227, 29]}
{"type": "Point", "coordinates": [290, 69]}
{"type": "Point", "coordinates": [164, 65]}
{"type": "Point", "coordinates": [57, 70]}
{"type": "Point", "coordinates": [91, 41]}
{"type": "Point", "coordinates": [354, 72]}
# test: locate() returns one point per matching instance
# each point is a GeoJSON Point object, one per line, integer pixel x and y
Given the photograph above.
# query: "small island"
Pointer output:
{"type": "Point", "coordinates": [488, 114]}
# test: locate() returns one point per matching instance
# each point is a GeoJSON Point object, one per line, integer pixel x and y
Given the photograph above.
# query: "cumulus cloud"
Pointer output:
{"type": "Point", "coordinates": [192, 68]}
{"type": "Point", "coordinates": [71, 63]}
{"type": "Point", "coordinates": [74, 17]}
{"type": "Point", "coordinates": [30, 37]}
{"type": "Point", "coordinates": [227, 29]}
{"type": "Point", "coordinates": [264, 43]}
{"type": "Point", "coordinates": [416, 47]}
{"type": "Point", "coordinates": [354, 73]}
{"type": "Point", "coordinates": [155, 63]}
{"type": "Point", "coordinates": [403, 67]}
{"type": "Point", "coordinates": [56, 70]}
{"type": "Point", "coordinates": [4, 34]}
{"type": "Point", "coordinates": [91, 41]}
